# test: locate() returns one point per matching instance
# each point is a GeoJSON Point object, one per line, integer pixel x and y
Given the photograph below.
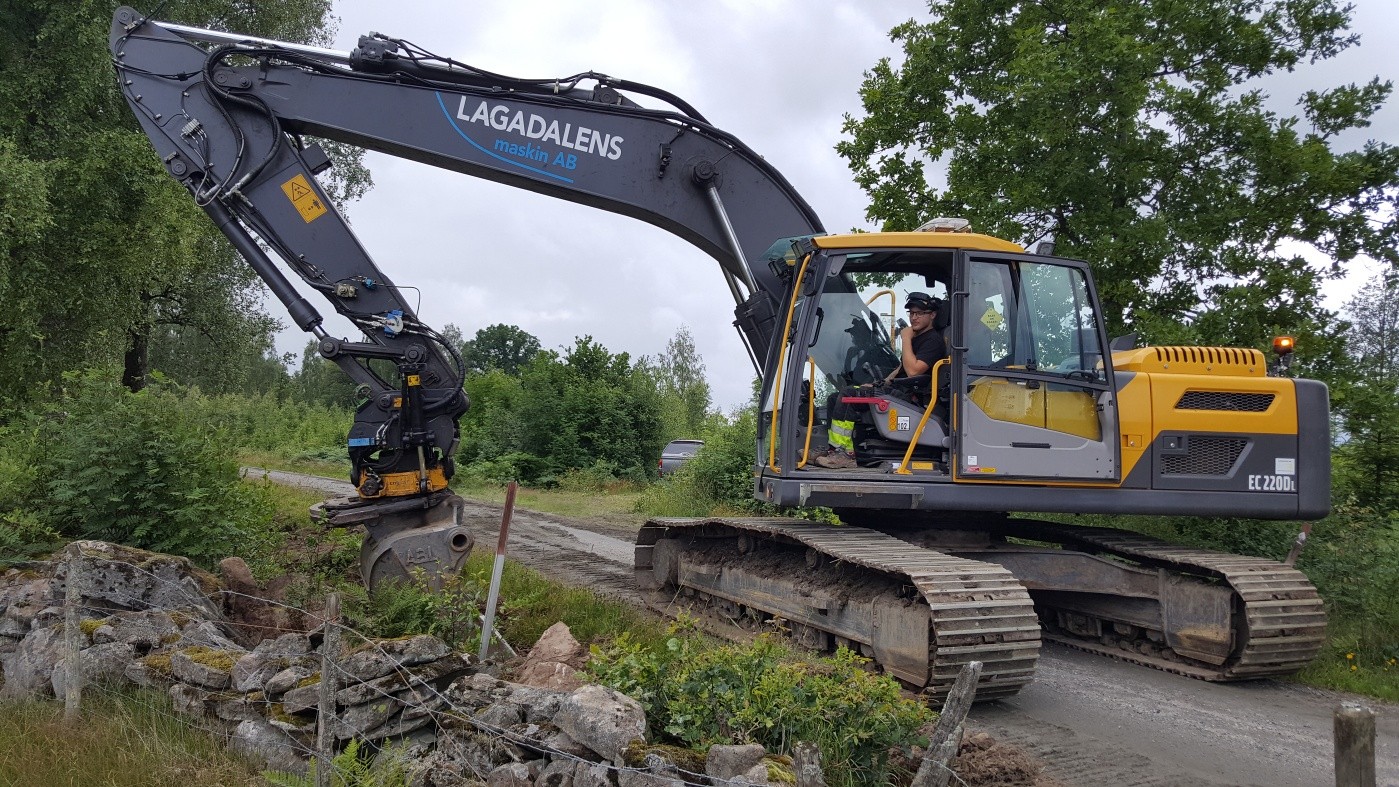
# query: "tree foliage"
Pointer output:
{"type": "Point", "coordinates": [587, 406]}
{"type": "Point", "coordinates": [1137, 135]}
{"type": "Point", "coordinates": [319, 381]}
{"type": "Point", "coordinates": [99, 249]}
{"type": "Point", "coordinates": [1368, 400]}
{"type": "Point", "coordinates": [504, 347]}
{"type": "Point", "coordinates": [680, 382]}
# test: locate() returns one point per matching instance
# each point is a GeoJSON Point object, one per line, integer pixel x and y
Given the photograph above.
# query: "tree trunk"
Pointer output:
{"type": "Point", "coordinates": [136, 365]}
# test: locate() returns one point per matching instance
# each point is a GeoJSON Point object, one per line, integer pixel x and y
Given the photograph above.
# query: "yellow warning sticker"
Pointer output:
{"type": "Point", "coordinates": [992, 319]}
{"type": "Point", "coordinates": [307, 202]}
{"type": "Point", "coordinates": [414, 381]}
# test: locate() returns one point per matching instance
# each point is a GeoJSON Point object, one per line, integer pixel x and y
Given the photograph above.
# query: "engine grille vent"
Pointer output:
{"type": "Point", "coordinates": [1209, 355]}
{"type": "Point", "coordinates": [1205, 456]}
{"type": "Point", "coordinates": [1226, 400]}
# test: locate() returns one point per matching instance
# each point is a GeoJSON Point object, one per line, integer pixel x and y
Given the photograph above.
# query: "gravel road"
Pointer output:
{"type": "Point", "coordinates": [1092, 720]}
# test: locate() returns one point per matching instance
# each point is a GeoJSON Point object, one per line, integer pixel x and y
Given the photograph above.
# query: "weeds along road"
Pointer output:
{"type": "Point", "coordinates": [1093, 721]}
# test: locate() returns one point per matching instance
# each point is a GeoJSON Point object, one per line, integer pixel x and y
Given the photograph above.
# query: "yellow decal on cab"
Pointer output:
{"type": "Point", "coordinates": [992, 319]}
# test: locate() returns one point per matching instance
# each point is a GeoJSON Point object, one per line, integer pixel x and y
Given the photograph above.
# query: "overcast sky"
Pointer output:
{"type": "Point", "coordinates": [780, 75]}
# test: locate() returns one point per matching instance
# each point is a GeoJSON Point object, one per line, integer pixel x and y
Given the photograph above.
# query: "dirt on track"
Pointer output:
{"type": "Point", "coordinates": [1087, 719]}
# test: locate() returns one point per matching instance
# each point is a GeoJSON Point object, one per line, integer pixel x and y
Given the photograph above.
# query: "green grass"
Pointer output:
{"type": "Point", "coordinates": [613, 506]}
{"type": "Point", "coordinates": [1343, 665]}
{"type": "Point", "coordinates": [124, 737]}
{"type": "Point", "coordinates": [530, 603]}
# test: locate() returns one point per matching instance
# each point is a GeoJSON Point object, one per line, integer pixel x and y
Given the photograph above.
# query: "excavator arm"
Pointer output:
{"type": "Point", "coordinates": [228, 116]}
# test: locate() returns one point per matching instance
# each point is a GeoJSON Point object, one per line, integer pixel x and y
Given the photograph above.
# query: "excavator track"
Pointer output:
{"type": "Point", "coordinates": [1281, 617]}
{"type": "Point", "coordinates": [921, 614]}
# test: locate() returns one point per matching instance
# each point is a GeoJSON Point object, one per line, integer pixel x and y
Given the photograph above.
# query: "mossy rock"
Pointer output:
{"type": "Point", "coordinates": [686, 759]}
{"type": "Point", "coordinates": [309, 680]}
{"type": "Point", "coordinates": [221, 660]}
{"type": "Point", "coordinates": [781, 769]}
{"type": "Point", "coordinates": [159, 662]}
{"type": "Point", "coordinates": [89, 625]}
{"type": "Point", "coordinates": [276, 711]}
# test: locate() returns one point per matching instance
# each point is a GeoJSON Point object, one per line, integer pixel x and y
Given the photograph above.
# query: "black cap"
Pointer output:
{"type": "Point", "coordinates": [922, 300]}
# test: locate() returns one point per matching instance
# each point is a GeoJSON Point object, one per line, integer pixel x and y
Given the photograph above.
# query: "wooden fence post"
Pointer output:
{"type": "Point", "coordinates": [325, 707]}
{"type": "Point", "coordinates": [936, 769]}
{"type": "Point", "coordinates": [806, 761]}
{"type": "Point", "coordinates": [72, 639]}
{"type": "Point", "coordinates": [1355, 745]}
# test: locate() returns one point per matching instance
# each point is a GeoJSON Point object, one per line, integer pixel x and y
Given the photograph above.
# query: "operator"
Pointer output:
{"type": "Point", "coordinates": [921, 347]}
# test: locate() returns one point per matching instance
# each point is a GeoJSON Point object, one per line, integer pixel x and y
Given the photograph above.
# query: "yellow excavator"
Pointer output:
{"type": "Point", "coordinates": [1033, 409]}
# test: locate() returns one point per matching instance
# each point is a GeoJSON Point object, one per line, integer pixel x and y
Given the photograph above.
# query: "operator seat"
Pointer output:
{"type": "Point", "coordinates": [882, 436]}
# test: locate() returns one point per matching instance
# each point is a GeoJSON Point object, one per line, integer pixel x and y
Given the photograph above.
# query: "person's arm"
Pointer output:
{"type": "Point", "coordinates": [912, 364]}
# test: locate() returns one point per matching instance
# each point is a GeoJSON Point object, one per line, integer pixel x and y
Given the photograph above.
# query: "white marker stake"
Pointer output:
{"type": "Point", "coordinates": [494, 594]}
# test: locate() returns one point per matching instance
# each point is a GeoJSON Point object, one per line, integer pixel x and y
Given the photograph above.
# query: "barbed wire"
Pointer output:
{"type": "Point", "coordinates": [439, 707]}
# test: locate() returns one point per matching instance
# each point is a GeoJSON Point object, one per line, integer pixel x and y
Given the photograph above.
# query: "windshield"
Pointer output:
{"type": "Point", "coordinates": [852, 341]}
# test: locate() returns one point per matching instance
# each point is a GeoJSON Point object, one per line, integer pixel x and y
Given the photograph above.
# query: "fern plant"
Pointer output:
{"type": "Point", "coordinates": [352, 767]}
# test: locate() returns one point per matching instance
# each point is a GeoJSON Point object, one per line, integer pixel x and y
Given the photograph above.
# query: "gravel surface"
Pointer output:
{"type": "Point", "coordinates": [1091, 720]}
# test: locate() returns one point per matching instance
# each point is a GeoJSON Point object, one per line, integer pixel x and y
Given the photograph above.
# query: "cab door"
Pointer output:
{"type": "Point", "coordinates": [1032, 386]}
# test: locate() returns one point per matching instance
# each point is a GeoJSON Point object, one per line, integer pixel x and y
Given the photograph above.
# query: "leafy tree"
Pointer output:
{"type": "Point", "coordinates": [588, 407]}
{"type": "Point", "coordinates": [1368, 403]}
{"type": "Point", "coordinates": [504, 347]}
{"type": "Point", "coordinates": [680, 383]}
{"type": "Point", "coordinates": [1135, 134]}
{"type": "Point", "coordinates": [102, 249]}
{"type": "Point", "coordinates": [491, 428]}
{"type": "Point", "coordinates": [320, 381]}
{"type": "Point", "coordinates": [249, 364]}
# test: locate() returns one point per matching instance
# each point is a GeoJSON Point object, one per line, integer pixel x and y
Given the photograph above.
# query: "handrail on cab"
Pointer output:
{"type": "Point", "coordinates": [903, 468]}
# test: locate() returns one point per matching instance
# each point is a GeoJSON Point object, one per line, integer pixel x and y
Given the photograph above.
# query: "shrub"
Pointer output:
{"type": "Point", "coordinates": [141, 469]}
{"type": "Point", "coordinates": [718, 479]}
{"type": "Point", "coordinates": [700, 695]}
{"type": "Point", "coordinates": [399, 609]}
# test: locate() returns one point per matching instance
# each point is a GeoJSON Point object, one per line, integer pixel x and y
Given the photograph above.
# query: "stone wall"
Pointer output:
{"type": "Point", "coordinates": [159, 622]}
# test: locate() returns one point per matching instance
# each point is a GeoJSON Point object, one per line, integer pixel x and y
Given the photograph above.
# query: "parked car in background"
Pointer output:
{"type": "Point", "coordinates": [675, 454]}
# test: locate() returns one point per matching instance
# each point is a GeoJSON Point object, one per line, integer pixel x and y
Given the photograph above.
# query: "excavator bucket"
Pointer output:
{"type": "Point", "coordinates": [417, 540]}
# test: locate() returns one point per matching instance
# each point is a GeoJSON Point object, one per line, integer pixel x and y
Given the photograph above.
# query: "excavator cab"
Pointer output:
{"type": "Point", "coordinates": [1026, 392]}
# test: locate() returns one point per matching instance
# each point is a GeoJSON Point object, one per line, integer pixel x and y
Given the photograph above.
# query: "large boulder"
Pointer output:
{"type": "Point", "coordinates": [257, 612]}
{"type": "Point", "coordinates": [602, 719]}
{"type": "Point", "coordinates": [276, 748]}
{"type": "Point", "coordinates": [128, 578]}
{"type": "Point", "coordinates": [29, 669]}
{"type": "Point", "coordinates": [103, 662]}
{"type": "Point", "coordinates": [554, 661]}
{"type": "Point", "coordinates": [379, 658]}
